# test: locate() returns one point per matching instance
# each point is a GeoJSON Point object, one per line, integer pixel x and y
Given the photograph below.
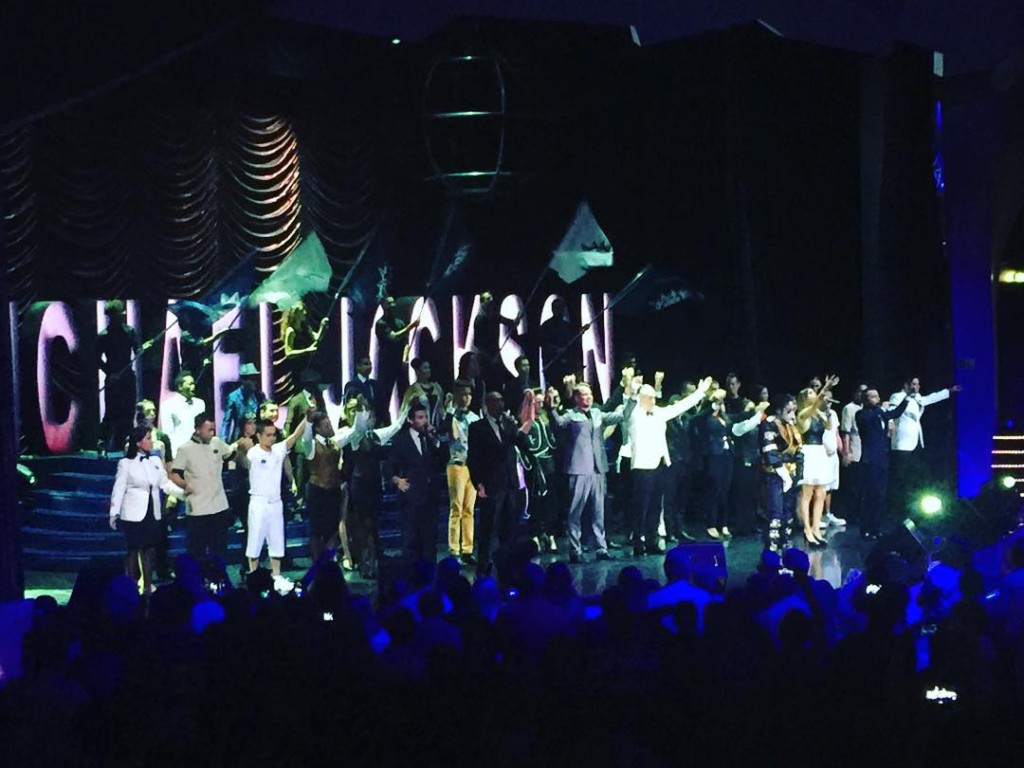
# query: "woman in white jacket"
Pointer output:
{"type": "Point", "coordinates": [135, 503]}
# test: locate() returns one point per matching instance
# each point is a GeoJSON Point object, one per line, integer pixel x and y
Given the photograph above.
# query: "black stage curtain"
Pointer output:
{"type": "Point", "coordinates": [735, 159]}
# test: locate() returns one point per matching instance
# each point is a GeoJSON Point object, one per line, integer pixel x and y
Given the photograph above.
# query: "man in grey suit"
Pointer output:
{"type": "Point", "coordinates": [586, 462]}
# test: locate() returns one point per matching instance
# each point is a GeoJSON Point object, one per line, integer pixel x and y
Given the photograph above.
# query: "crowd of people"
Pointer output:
{"type": "Point", "coordinates": [775, 669]}
{"type": "Point", "coordinates": [518, 461]}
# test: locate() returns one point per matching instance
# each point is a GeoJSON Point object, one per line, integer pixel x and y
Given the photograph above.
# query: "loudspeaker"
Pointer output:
{"type": "Point", "coordinates": [899, 556]}
{"type": "Point", "coordinates": [87, 594]}
{"type": "Point", "coordinates": [708, 560]}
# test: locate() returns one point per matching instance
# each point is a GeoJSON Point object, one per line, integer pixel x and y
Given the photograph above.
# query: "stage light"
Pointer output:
{"type": "Point", "coordinates": [1011, 276]}
{"type": "Point", "coordinates": [930, 504]}
{"type": "Point", "coordinates": [396, 40]}
{"type": "Point", "coordinates": [1007, 482]}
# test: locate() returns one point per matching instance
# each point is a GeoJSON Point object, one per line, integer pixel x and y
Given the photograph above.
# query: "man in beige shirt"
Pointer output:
{"type": "Point", "coordinates": [198, 469]}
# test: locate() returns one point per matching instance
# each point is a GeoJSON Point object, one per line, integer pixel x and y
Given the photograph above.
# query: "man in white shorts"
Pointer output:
{"type": "Point", "coordinates": [266, 512]}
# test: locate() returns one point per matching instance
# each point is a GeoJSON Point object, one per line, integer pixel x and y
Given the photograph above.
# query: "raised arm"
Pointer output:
{"type": "Point", "coordinates": [670, 412]}
{"type": "Point", "coordinates": [740, 428]}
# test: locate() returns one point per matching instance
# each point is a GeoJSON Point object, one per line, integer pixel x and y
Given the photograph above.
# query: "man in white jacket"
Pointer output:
{"type": "Point", "coordinates": [646, 436]}
{"type": "Point", "coordinates": [909, 471]}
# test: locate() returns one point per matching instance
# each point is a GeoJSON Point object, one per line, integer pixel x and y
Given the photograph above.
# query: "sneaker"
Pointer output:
{"type": "Point", "coordinates": [831, 519]}
{"type": "Point", "coordinates": [552, 544]}
{"type": "Point", "coordinates": [713, 533]}
{"type": "Point", "coordinates": [283, 585]}
{"type": "Point", "coordinates": [725, 532]}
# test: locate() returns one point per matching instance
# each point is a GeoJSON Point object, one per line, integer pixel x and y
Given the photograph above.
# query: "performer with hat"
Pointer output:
{"type": "Point", "coordinates": [244, 399]}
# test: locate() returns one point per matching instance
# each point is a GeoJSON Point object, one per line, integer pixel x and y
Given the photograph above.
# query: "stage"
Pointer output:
{"type": "Point", "coordinates": [846, 551]}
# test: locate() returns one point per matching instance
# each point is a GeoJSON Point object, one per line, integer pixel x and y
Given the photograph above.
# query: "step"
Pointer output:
{"type": "Point", "coordinates": [80, 482]}
{"type": "Point", "coordinates": [60, 520]}
{"type": "Point", "coordinates": [71, 501]}
{"type": "Point", "coordinates": [86, 463]}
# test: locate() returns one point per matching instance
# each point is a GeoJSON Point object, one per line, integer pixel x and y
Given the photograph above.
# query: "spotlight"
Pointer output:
{"type": "Point", "coordinates": [396, 40]}
{"type": "Point", "coordinates": [930, 504]}
{"type": "Point", "coordinates": [1007, 482]}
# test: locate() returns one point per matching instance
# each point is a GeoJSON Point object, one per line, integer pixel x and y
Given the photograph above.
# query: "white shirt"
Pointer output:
{"type": "Point", "coordinates": [908, 435]}
{"type": "Point", "coordinates": [848, 424]}
{"type": "Point", "coordinates": [494, 425]}
{"type": "Point", "coordinates": [415, 435]}
{"type": "Point", "coordinates": [178, 418]}
{"type": "Point", "coordinates": [646, 432]}
{"type": "Point", "coordinates": [265, 468]}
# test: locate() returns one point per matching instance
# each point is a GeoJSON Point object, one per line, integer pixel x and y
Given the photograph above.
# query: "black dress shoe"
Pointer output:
{"type": "Point", "coordinates": [468, 559]}
{"type": "Point", "coordinates": [638, 552]}
{"type": "Point", "coordinates": [604, 556]}
{"type": "Point", "coordinates": [614, 544]}
{"type": "Point", "coordinates": [575, 559]}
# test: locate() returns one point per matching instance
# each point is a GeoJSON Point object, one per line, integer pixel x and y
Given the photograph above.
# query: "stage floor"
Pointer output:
{"type": "Point", "coordinates": [846, 550]}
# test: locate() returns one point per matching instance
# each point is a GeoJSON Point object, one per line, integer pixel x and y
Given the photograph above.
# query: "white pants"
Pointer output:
{"type": "Point", "coordinates": [266, 524]}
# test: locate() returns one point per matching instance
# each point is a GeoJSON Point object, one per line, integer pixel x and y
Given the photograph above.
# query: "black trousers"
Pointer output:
{"type": "Point", "coordinates": [678, 488]}
{"type": "Point", "coordinates": [719, 477]}
{"type": "Point", "coordinates": [743, 494]}
{"type": "Point", "coordinates": [207, 534]}
{"type": "Point", "coordinates": [546, 500]}
{"type": "Point", "coordinates": [499, 514]}
{"type": "Point", "coordinates": [619, 514]}
{"type": "Point", "coordinates": [908, 476]}
{"type": "Point", "coordinates": [648, 491]}
{"type": "Point", "coordinates": [851, 488]}
{"type": "Point", "coordinates": [874, 488]}
{"type": "Point", "coordinates": [419, 530]}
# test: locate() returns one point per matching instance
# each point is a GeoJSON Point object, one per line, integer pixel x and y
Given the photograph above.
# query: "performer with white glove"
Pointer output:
{"type": "Point", "coordinates": [780, 456]}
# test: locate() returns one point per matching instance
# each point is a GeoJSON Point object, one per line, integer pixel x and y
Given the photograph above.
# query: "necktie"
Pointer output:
{"type": "Point", "coordinates": [423, 444]}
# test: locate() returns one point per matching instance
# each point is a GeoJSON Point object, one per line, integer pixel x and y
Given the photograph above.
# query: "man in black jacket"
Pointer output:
{"type": "Point", "coordinates": [873, 426]}
{"type": "Point", "coordinates": [494, 472]}
{"type": "Point", "coordinates": [412, 467]}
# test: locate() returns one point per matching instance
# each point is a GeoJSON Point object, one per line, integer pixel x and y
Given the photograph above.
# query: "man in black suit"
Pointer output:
{"type": "Point", "coordinates": [873, 426]}
{"type": "Point", "coordinates": [363, 385]}
{"type": "Point", "coordinates": [494, 472]}
{"type": "Point", "coordinates": [412, 467]}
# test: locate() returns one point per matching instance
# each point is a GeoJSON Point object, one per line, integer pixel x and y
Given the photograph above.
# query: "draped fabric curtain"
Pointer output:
{"type": "Point", "coordinates": [156, 193]}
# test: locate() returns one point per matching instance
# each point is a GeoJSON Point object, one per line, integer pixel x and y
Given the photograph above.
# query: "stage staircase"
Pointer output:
{"type": "Point", "coordinates": [67, 525]}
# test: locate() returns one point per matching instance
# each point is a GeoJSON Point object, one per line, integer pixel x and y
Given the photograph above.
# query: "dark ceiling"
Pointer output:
{"type": "Point", "coordinates": [55, 51]}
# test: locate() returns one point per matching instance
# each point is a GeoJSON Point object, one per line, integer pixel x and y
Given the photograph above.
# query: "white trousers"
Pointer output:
{"type": "Point", "coordinates": [266, 524]}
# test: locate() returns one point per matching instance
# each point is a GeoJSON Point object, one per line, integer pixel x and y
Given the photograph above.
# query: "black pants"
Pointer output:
{"type": "Point", "coordinates": [743, 494]}
{"type": "Point", "coordinates": [207, 534]}
{"type": "Point", "coordinates": [499, 513]}
{"type": "Point", "coordinates": [648, 491]}
{"type": "Point", "coordinates": [618, 516]}
{"type": "Point", "coordinates": [419, 530]}
{"type": "Point", "coordinates": [908, 475]}
{"type": "Point", "coordinates": [874, 488]}
{"type": "Point", "coordinates": [719, 477]}
{"type": "Point", "coordinates": [851, 488]}
{"type": "Point", "coordinates": [546, 499]}
{"type": "Point", "coordinates": [679, 478]}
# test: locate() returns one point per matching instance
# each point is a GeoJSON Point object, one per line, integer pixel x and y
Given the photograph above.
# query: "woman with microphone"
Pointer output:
{"type": "Point", "coordinates": [135, 503]}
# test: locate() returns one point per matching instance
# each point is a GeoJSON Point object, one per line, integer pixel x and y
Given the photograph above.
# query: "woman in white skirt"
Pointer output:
{"type": "Point", "coordinates": [817, 465]}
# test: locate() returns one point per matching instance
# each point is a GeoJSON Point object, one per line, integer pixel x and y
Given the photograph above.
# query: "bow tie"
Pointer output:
{"type": "Point", "coordinates": [144, 456]}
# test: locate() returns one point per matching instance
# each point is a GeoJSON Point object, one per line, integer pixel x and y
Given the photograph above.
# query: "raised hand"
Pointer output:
{"type": "Point", "coordinates": [449, 400]}
{"type": "Point", "coordinates": [763, 406]}
{"type": "Point", "coordinates": [705, 384]}
{"type": "Point", "coordinates": [635, 384]}
{"type": "Point", "coordinates": [659, 378]}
